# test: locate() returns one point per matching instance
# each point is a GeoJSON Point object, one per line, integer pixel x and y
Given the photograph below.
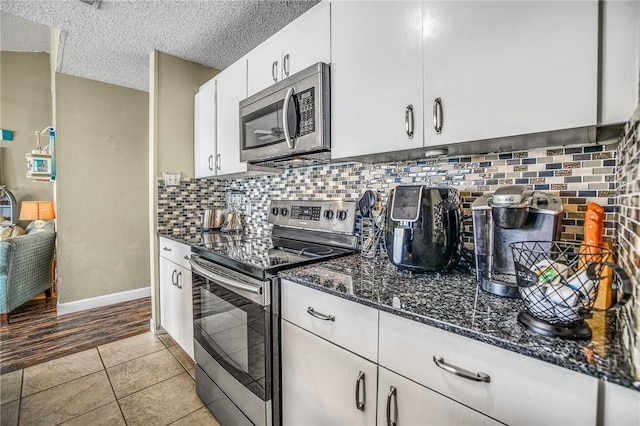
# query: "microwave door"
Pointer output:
{"type": "Point", "coordinates": [263, 127]}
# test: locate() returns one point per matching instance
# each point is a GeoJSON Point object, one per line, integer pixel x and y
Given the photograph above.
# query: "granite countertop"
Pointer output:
{"type": "Point", "coordinates": [454, 302]}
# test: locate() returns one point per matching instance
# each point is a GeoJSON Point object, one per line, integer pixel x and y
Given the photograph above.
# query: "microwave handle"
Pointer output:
{"type": "Point", "coordinates": [285, 121]}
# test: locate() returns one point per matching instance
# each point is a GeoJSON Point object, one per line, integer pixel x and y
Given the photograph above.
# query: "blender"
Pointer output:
{"type": "Point", "coordinates": [234, 207]}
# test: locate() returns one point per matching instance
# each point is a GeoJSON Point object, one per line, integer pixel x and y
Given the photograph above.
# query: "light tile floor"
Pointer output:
{"type": "Point", "coordinates": [141, 380]}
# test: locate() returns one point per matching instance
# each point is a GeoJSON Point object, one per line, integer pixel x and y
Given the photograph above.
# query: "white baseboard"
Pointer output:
{"type": "Point", "coordinates": [106, 300]}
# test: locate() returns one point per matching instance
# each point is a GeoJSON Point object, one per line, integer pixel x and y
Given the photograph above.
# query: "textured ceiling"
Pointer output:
{"type": "Point", "coordinates": [112, 43]}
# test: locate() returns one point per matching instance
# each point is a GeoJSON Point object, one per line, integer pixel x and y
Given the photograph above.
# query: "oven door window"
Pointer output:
{"type": "Point", "coordinates": [263, 127]}
{"type": "Point", "coordinates": [232, 330]}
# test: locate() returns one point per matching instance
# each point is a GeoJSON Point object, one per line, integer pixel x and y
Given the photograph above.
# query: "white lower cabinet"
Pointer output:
{"type": "Point", "coordinates": [404, 402]}
{"type": "Point", "coordinates": [176, 309]}
{"type": "Point", "coordinates": [621, 406]}
{"type": "Point", "coordinates": [323, 384]}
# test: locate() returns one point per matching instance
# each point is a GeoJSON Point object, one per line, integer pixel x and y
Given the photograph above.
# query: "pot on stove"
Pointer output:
{"type": "Point", "coordinates": [423, 228]}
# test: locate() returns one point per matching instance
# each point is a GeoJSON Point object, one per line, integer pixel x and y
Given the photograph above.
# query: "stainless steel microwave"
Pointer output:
{"type": "Point", "coordinates": [288, 120]}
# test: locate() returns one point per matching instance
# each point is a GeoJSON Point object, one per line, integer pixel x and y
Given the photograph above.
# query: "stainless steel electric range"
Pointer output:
{"type": "Point", "coordinates": [236, 305]}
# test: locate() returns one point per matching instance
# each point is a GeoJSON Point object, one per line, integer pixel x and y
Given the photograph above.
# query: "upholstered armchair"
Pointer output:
{"type": "Point", "coordinates": [25, 269]}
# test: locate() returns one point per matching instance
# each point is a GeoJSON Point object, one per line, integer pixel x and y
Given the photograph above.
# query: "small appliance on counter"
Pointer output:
{"type": "Point", "coordinates": [512, 213]}
{"type": "Point", "coordinates": [423, 228]}
{"type": "Point", "coordinates": [233, 223]}
{"type": "Point", "coordinates": [213, 219]}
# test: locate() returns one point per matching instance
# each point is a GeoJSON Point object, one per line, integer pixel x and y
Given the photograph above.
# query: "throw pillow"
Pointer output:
{"type": "Point", "coordinates": [17, 231]}
{"type": "Point", "coordinates": [5, 232]}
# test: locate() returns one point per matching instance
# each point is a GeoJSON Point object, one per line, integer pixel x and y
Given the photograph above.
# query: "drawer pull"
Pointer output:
{"type": "Point", "coordinates": [186, 257]}
{"type": "Point", "coordinates": [477, 377]}
{"type": "Point", "coordinates": [319, 315]}
{"type": "Point", "coordinates": [360, 404]}
{"type": "Point", "coordinates": [166, 249]}
{"type": "Point", "coordinates": [392, 394]}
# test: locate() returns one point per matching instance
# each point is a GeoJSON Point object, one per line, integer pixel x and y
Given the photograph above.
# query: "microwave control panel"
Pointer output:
{"type": "Point", "coordinates": [306, 104]}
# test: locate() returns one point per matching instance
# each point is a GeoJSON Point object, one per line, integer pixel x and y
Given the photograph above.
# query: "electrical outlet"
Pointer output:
{"type": "Point", "coordinates": [171, 179]}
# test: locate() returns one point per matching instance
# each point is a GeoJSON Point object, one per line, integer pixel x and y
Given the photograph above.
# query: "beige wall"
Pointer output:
{"type": "Point", "coordinates": [177, 82]}
{"type": "Point", "coordinates": [101, 188]}
{"type": "Point", "coordinates": [25, 106]}
{"type": "Point", "coordinates": [173, 83]}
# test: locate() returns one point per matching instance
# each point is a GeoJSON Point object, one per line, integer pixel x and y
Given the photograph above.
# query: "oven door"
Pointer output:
{"type": "Point", "coordinates": [232, 342]}
{"type": "Point", "coordinates": [287, 119]}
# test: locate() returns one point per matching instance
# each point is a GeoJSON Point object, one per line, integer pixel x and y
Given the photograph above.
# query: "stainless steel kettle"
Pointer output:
{"type": "Point", "coordinates": [213, 219]}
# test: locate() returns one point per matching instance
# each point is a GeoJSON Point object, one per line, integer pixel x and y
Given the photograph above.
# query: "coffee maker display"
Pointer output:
{"type": "Point", "coordinates": [423, 228]}
{"type": "Point", "coordinates": [512, 213]}
{"type": "Point", "coordinates": [233, 224]}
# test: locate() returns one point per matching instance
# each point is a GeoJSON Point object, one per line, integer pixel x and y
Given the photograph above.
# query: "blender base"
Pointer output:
{"type": "Point", "coordinates": [579, 331]}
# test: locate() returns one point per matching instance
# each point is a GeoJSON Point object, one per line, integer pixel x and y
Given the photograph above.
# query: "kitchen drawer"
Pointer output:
{"type": "Point", "coordinates": [522, 390]}
{"type": "Point", "coordinates": [176, 252]}
{"type": "Point", "coordinates": [353, 327]}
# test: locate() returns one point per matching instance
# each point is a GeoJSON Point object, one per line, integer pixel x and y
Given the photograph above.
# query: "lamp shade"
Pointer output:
{"type": "Point", "coordinates": [37, 210]}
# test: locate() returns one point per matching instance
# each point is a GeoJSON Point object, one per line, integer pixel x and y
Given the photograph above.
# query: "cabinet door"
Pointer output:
{"type": "Point", "coordinates": [408, 403]}
{"type": "Point", "coordinates": [319, 381]}
{"type": "Point", "coordinates": [376, 73]}
{"type": "Point", "coordinates": [169, 299]}
{"type": "Point", "coordinates": [231, 87]}
{"type": "Point", "coordinates": [307, 40]}
{"type": "Point", "coordinates": [204, 131]}
{"type": "Point", "coordinates": [509, 68]}
{"type": "Point", "coordinates": [186, 312]}
{"type": "Point", "coordinates": [264, 64]}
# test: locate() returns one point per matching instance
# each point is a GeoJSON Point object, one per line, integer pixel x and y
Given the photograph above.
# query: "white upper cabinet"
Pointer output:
{"type": "Point", "coordinates": [376, 74]}
{"type": "Point", "coordinates": [508, 68]}
{"type": "Point", "coordinates": [231, 89]}
{"type": "Point", "coordinates": [204, 131]}
{"type": "Point", "coordinates": [297, 46]}
{"type": "Point", "coordinates": [620, 24]}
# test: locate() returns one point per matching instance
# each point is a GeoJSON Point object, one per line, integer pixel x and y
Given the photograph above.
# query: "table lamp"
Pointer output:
{"type": "Point", "coordinates": [38, 211]}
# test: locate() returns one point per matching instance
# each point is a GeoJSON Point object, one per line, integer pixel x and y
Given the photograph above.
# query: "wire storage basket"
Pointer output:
{"type": "Point", "coordinates": [558, 283]}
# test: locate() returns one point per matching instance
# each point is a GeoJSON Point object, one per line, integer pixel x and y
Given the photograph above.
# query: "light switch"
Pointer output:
{"type": "Point", "coordinates": [171, 179]}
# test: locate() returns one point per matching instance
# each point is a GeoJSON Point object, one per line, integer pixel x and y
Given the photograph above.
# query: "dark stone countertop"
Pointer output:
{"type": "Point", "coordinates": [454, 302]}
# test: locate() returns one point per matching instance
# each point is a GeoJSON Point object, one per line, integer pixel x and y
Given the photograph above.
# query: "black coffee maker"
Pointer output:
{"type": "Point", "coordinates": [423, 228]}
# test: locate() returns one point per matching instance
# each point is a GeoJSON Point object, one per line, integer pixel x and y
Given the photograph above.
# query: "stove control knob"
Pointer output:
{"type": "Point", "coordinates": [274, 211]}
{"type": "Point", "coordinates": [328, 214]}
{"type": "Point", "coordinates": [341, 214]}
{"type": "Point", "coordinates": [284, 211]}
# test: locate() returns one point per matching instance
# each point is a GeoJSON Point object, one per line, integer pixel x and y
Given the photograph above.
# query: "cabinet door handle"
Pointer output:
{"type": "Point", "coordinates": [218, 161]}
{"type": "Point", "coordinates": [285, 65]}
{"type": "Point", "coordinates": [174, 280]}
{"type": "Point", "coordinates": [274, 71]}
{"type": "Point", "coordinates": [166, 249]}
{"type": "Point", "coordinates": [408, 121]}
{"type": "Point", "coordinates": [186, 257]}
{"type": "Point", "coordinates": [210, 161]}
{"type": "Point", "coordinates": [361, 403]}
{"type": "Point", "coordinates": [178, 280]}
{"type": "Point", "coordinates": [476, 377]}
{"type": "Point", "coordinates": [392, 395]}
{"type": "Point", "coordinates": [319, 315]}
{"type": "Point", "coordinates": [437, 115]}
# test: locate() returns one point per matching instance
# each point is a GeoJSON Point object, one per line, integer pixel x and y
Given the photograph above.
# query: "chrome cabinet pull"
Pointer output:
{"type": "Point", "coordinates": [319, 315]}
{"type": "Point", "coordinates": [392, 395]}
{"type": "Point", "coordinates": [476, 377]}
{"type": "Point", "coordinates": [285, 119]}
{"type": "Point", "coordinates": [437, 115]}
{"type": "Point", "coordinates": [178, 280]}
{"type": "Point", "coordinates": [166, 249]}
{"type": "Point", "coordinates": [210, 161]}
{"type": "Point", "coordinates": [186, 257]}
{"type": "Point", "coordinates": [361, 403]}
{"type": "Point", "coordinates": [173, 277]}
{"type": "Point", "coordinates": [285, 65]}
{"type": "Point", "coordinates": [408, 121]}
{"type": "Point", "coordinates": [218, 161]}
{"type": "Point", "coordinates": [274, 71]}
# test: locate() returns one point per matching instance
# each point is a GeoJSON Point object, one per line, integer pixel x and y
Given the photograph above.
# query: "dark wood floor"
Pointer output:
{"type": "Point", "coordinates": [36, 334]}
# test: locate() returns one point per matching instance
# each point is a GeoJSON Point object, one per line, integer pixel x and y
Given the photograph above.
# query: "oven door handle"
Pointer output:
{"type": "Point", "coordinates": [228, 283]}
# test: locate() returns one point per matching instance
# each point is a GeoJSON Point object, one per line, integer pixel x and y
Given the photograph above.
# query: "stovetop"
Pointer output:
{"type": "Point", "coordinates": [263, 257]}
